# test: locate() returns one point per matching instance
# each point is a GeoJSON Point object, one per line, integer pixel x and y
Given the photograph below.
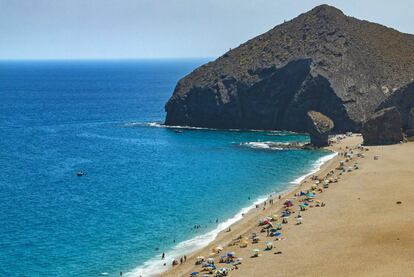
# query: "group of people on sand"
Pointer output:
{"type": "Point", "coordinates": [270, 201]}
{"type": "Point", "coordinates": [182, 260]}
{"type": "Point", "coordinates": [174, 262]}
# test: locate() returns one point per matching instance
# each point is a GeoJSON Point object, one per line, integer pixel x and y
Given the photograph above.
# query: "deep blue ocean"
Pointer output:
{"type": "Point", "coordinates": [145, 185]}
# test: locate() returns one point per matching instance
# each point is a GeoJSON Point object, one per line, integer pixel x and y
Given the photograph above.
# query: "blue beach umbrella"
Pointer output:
{"type": "Point", "coordinates": [195, 273]}
{"type": "Point", "coordinates": [230, 254]}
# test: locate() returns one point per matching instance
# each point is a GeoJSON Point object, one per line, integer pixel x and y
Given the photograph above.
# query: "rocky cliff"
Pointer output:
{"type": "Point", "coordinates": [321, 60]}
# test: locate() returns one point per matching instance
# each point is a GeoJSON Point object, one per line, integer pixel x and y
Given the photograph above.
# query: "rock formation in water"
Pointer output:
{"type": "Point", "coordinates": [321, 60]}
{"type": "Point", "coordinates": [319, 127]}
{"type": "Point", "coordinates": [384, 127]}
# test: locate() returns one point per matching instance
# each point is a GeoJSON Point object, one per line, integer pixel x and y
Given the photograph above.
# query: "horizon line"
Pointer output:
{"type": "Point", "coordinates": [105, 59]}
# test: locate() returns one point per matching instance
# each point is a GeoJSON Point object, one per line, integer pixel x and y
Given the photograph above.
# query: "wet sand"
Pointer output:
{"type": "Point", "coordinates": [361, 231]}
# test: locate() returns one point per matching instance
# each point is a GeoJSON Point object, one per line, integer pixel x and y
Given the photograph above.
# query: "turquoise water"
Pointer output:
{"type": "Point", "coordinates": [145, 185]}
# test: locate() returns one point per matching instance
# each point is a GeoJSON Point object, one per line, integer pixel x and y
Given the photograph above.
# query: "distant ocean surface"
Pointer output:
{"type": "Point", "coordinates": [145, 185]}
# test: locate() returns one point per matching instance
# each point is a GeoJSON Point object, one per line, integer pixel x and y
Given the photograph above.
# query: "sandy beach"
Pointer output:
{"type": "Point", "coordinates": [365, 229]}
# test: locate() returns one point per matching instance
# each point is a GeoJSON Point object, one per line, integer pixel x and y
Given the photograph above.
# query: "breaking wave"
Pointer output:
{"type": "Point", "coordinates": [269, 145]}
{"type": "Point", "coordinates": [161, 125]}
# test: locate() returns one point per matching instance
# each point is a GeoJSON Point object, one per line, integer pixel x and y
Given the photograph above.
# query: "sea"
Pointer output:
{"type": "Point", "coordinates": [145, 186]}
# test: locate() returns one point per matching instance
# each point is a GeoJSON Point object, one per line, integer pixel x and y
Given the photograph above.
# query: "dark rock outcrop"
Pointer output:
{"type": "Point", "coordinates": [384, 127]}
{"type": "Point", "coordinates": [403, 100]}
{"type": "Point", "coordinates": [410, 119]}
{"type": "Point", "coordinates": [410, 134]}
{"type": "Point", "coordinates": [321, 60]}
{"type": "Point", "coordinates": [410, 125]}
{"type": "Point", "coordinates": [319, 127]}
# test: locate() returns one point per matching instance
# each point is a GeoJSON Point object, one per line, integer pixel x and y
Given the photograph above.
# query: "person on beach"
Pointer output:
{"type": "Point", "coordinates": [185, 258]}
{"type": "Point", "coordinates": [163, 256]}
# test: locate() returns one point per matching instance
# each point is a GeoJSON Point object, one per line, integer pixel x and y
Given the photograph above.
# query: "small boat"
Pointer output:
{"type": "Point", "coordinates": [80, 173]}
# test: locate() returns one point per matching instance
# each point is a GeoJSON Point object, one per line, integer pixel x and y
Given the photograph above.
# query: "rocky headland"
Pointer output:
{"type": "Point", "coordinates": [322, 60]}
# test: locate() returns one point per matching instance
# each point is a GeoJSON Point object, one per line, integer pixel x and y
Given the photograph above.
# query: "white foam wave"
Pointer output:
{"type": "Point", "coordinates": [156, 266]}
{"type": "Point", "coordinates": [269, 145]}
{"type": "Point", "coordinates": [261, 145]}
{"type": "Point", "coordinates": [161, 125]}
{"type": "Point", "coordinates": [317, 166]}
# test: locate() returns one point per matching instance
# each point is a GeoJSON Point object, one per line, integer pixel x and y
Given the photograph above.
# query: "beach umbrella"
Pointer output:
{"type": "Point", "coordinates": [231, 254]}
{"type": "Point", "coordinates": [210, 260]}
{"type": "Point", "coordinates": [206, 264]}
{"type": "Point", "coordinates": [256, 250]}
{"type": "Point", "coordinates": [277, 234]}
{"type": "Point", "coordinates": [194, 273]}
{"type": "Point", "coordinates": [200, 258]}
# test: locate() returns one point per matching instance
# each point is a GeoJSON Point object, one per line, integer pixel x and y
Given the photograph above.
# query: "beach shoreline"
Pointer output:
{"type": "Point", "coordinates": [203, 241]}
{"type": "Point", "coordinates": [248, 212]}
{"type": "Point", "coordinates": [248, 223]}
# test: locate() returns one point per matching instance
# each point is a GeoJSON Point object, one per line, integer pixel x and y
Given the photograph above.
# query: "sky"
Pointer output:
{"type": "Point", "coordinates": [123, 29]}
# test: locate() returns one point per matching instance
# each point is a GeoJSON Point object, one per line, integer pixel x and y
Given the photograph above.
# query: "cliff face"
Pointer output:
{"type": "Point", "coordinates": [322, 60]}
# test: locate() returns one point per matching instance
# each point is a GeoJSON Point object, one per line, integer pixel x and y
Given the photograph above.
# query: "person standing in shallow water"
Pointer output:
{"type": "Point", "coordinates": [163, 256]}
